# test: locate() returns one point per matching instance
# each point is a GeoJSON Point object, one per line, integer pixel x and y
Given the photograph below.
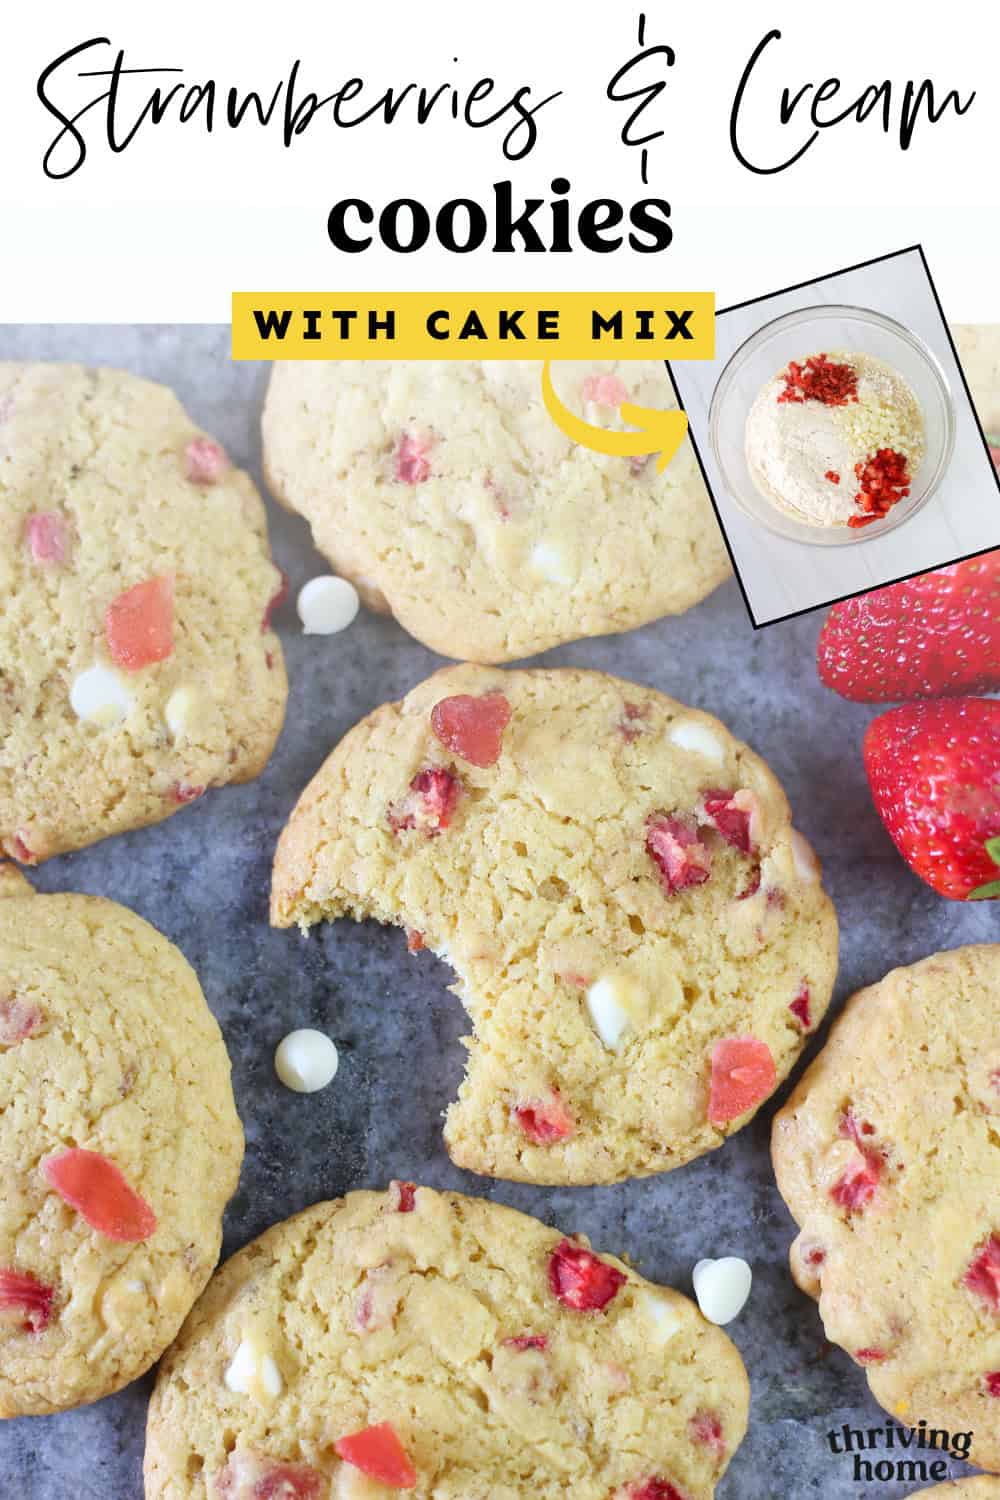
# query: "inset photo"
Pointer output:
{"type": "Point", "coordinates": [844, 432]}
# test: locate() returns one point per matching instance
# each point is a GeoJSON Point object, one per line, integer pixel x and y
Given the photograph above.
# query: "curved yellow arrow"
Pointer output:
{"type": "Point", "coordinates": [659, 431]}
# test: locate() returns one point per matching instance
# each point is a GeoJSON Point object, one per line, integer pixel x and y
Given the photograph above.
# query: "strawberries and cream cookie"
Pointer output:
{"type": "Point", "coordinates": [640, 937]}
{"type": "Point", "coordinates": [886, 1156]}
{"type": "Point", "coordinates": [983, 1487]}
{"type": "Point", "coordinates": [446, 1346]}
{"type": "Point", "coordinates": [119, 1149]}
{"type": "Point", "coordinates": [448, 496]}
{"type": "Point", "coordinates": [137, 665]}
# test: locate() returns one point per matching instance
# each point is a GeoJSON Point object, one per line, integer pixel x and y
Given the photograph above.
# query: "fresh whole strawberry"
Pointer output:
{"type": "Point", "coordinates": [934, 770]}
{"type": "Point", "coordinates": [928, 637]}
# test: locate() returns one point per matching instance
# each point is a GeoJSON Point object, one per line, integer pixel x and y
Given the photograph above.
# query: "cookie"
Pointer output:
{"type": "Point", "coordinates": [641, 939]}
{"type": "Point", "coordinates": [448, 496]}
{"type": "Point", "coordinates": [886, 1156]}
{"type": "Point", "coordinates": [137, 666]}
{"type": "Point", "coordinates": [444, 1345]}
{"type": "Point", "coordinates": [980, 1488]}
{"type": "Point", "coordinates": [120, 1146]}
{"type": "Point", "coordinates": [978, 347]}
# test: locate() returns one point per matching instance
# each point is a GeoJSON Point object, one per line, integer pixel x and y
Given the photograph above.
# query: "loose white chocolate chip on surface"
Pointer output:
{"type": "Point", "coordinates": [688, 734]}
{"type": "Point", "coordinates": [616, 1006]}
{"type": "Point", "coordinates": [306, 1060]}
{"type": "Point", "coordinates": [550, 562]}
{"type": "Point", "coordinates": [722, 1287]}
{"type": "Point", "coordinates": [326, 605]}
{"type": "Point", "coordinates": [99, 696]}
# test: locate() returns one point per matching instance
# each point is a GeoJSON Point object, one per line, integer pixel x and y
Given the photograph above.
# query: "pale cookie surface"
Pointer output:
{"type": "Point", "coordinates": [106, 1047]}
{"type": "Point", "coordinates": [979, 350]}
{"type": "Point", "coordinates": [641, 940]}
{"type": "Point", "coordinates": [509, 1362]}
{"type": "Point", "coordinates": [136, 668]}
{"type": "Point", "coordinates": [448, 496]}
{"type": "Point", "coordinates": [886, 1154]}
{"type": "Point", "coordinates": [983, 1487]}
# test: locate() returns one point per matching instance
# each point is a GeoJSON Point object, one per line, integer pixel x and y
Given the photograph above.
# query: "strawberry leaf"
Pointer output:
{"type": "Point", "coordinates": [991, 890]}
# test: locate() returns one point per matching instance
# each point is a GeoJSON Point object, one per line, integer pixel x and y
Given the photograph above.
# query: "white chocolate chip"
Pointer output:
{"type": "Point", "coordinates": [806, 864]}
{"type": "Point", "coordinates": [689, 734]}
{"type": "Point", "coordinates": [326, 605]}
{"type": "Point", "coordinates": [551, 563]}
{"type": "Point", "coordinates": [252, 1371]}
{"type": "Point", "coordinates": [722, 1287]}
{"type": "Point", "coordinates": [180, 712]}
{"type": "Point", "coordinates": [351, 1484]}
{"type": "Point", "coordinates": [137, 1288]}
{"type": "Point", "coordinates": [662, 1317]}
{"type": "Point", "coordinates": [616, 1006]}
{"type": "Point", "coordinates": [306, 1060]}
{"type": "Point", "coordinates": [99, 697]}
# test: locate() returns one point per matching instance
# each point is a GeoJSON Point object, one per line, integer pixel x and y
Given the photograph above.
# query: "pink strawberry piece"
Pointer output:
{"type": "Point", "coordinates": [276, 600]}
{"type": "Point", "coordinates": [377, 1452]}
{"type": "Point", "coordinates": [816, 1256]}
{"type": "Point", "coordinates": [732, 820]}
{"type": "Point", "coordinates": [870, 1356]}
{"type": "Point", "coordinates": [581, 1280]}
{"type": "Point", "coordinates": [522, 1341]}
{"type": "Point", "coordinates": [472, 728]}
{"type": "Point", "coordinates": [675, 848]}
{"type": "Point", "coordinates": [429, 804]}
{"type": "Point", "coordinates": [992, 1383]}
{"type": "Point", "coordinates": [48, 537]}
{"type": "Point", "coordinates": [799, 1007]}
{"type": "Point", "coordinates": [545, 1121]}
{"type": "Point", "coordinates": [983, 1274]}
{"type": "Point", "coordinates": [252, 1476]}
{"type": "Point", "coordinates": [856, 1185]}
{"type": "Point", "coordinates": [182, 792]}
{"type": "Point", "coordinates": [402, 1197]}
{"type": "Point", "coordinates": [139, 624]}
{"type": "Point", "coordinates": [413, 465]}
{"type": "Point", "coordinates": [743, 1074]}
{"type": "Point", "coordinates": [25, 1299]}
{"type": "Point", "coordinates": [206, 461]}
{"type": "Point", "coordinates": [638, 461]}
{"type": "Point", "coordinates": [95, 1187]}
{"type": "Point", "coordinates": [706, 1428]}
{"type": "Point", "coordinates": [19, 1019]}
{"type": "Point", "coordinates": [414, 941]}
{"type": "Point", "coordinates": [995, 455]}
{"type": "Point", "coordinates": [22, 851]}
{"type": "Point", "coordinates": [654, 1489]}
{"type": "Point", "coordinates": [604, 390]}
{"type": "Point", "coordinates": [633, 721]}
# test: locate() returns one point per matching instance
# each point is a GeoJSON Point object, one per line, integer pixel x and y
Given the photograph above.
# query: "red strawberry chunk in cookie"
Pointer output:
{"type": "Point", "coordinates": [856, 1185]}
{"type": "Point", "coordinates": [678, 853]}
{"type": "Point", "coordinates": [472, 728]}
{"type": "Point", "coordinates": [743, 1073]}
{"type": "Point", "coordinates": [983, 1274]}
{"type": "Point", "coordinates": [402, 1196]}
{"type": "Point", "coordinates": [706, 1428]}
{"type": "Point", "coordinates": [413, 465]}
{"type": "Point", "coordinates": [871, 1356]}
{"type": "Point", "coordinates": [19, 1019]}
{"type": "Point", "coordinates": [25, 1300]}
{"type": "Point", "coordinates": [729, 814]}
{"type": "Point", "coordinates": [95, 1187]}
{"type": "Point", "coordinates": [377, 1452]}
{"type": "Point", "coordinates": [139, 624]}
{"type": "Point", "coordinates": [991, 1382]}
{"type": "Point", "coordinates": [604, 390]}
{"type": "Point", "coordinates": [206, 461]}
{"type": "Point", "coordinates": [799, 1007]}
{"type": "Point", "coordinates": [522, 1341]}
{"type": "Point", "coordinates": [429, 803]}
{"type": "Point", "coordinates": [251, 1476]}
{"type": "Point", "coordinates": [48, 536]}
{"type": "Point", "coordinates": [276, 600]}
{"type": "Point", "coordinates": [182, 791]}
{"type": "Point", "coordinates": [414, 941]}
{"type": "Point", "coordinates": [545, 1121]}
{"type": "Point", "coordinates": [653, 1489]}
{"type": "Point", "coordinates": [581, 1280]}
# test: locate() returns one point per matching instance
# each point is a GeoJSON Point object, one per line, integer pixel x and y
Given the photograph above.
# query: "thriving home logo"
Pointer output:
{"type": "Point", "coordinates": [865, 1444]}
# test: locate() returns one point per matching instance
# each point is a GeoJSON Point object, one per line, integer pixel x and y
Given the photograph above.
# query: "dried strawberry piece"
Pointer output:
{"type": "Point", "coordinates": [414, 941]}
{"type": "Point", "coordinates": [992, 1383]}
{"type": "Point", "coordinates": [95, 1187]}
{"type": "Point", "coordinates": [139, 624]}
{"type": "Point", "coordinates": [604, 390]}
{"type": "Point", "coordinates": [799, 1007]}
{"type": "Point", "coordinates": [832, 475]}
{"type": "Point", "coordinates": [522, 1341]}
{"type": "Point", "coordinates": [429, 804]}
{"type": "Point", "coordinates": [252, 1476]}
{"type": "Point", "coordinates": [19, 1019]}
{"type": "Point", "coordinates": [25, 1300]}
{"type": "Point", "coordinates": [580, 1279]}
{"type": "Point", "coordinates": [820, 379]}
{"type": "Point", "coordinates": [377, 1452]}
{"type": "Point", "coordinates": [654, 1489]}
{"type": "Point", "coordinates": [206, 461]}
{"type": "Point", "coordinates": [678, 853]}
{"type": "Point", "coordinates": [726, 813]}
{"type": "Point", "coordinates": [983, 1274]}
{"type": "Point", "coordinates": [472, 728]}
{"type": "Point", "coordinates": [545, 1121]}
{"type": "Point", "coordinates": [276, 600]}
{"type": "Point", "coordinates": [856, 1185]}
{"type": "Point", "coordinates": [743, 1073]}
{"type": "Point", "coordinates": [413, 465]}
{"type": "Point", "coordinates": [47, 536]}
{"type": "Point", "coordinates": [705, 1427]}
{"type": "Point", "coordinates": [870, 1356]}
{"type": "Point", "coordinates": [402, 1196]}
{"type": "Point", "coordinates": [182, 791]}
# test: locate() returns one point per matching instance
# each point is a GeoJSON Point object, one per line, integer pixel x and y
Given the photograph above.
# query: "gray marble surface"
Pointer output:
{"type": "Point", "coordinates": [202, 878]}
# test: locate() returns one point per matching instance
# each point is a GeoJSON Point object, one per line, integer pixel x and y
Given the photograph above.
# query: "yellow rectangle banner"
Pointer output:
{"type": "Point", "coordinates": [473, 325]}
